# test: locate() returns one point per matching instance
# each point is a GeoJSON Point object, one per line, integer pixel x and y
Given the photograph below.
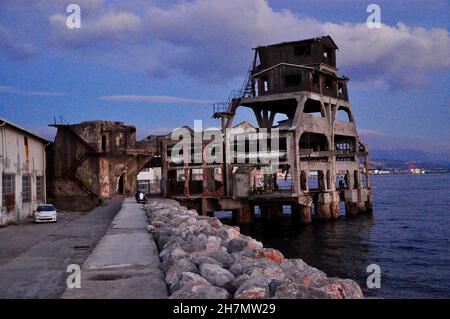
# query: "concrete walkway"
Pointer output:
{"type": "Point", "coordinates": [125, 262]}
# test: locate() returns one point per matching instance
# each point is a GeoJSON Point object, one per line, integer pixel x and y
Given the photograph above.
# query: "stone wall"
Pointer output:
{"type": "Point", "coordinates": [202, 258]}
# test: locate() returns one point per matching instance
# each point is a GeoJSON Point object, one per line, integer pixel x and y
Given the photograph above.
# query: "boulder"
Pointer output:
{"type": "Point", "coordinates": [271, 254]}
{"type": "Point", "coordinates": [293, 290]}
{"type": "Point", "coordinates": [200, 292]}
{"type": "Point", "coordinates": [216, 275]}
{"type": "Point", "coordinates": [237, 244]}
{"type": "Point", "coordinates": [253, 288]}
{"type": "Point", "coordinates": [223, 257]}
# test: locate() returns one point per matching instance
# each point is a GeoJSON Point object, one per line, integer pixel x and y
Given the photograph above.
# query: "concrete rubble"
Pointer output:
{"type": "Point", "coordinates": [203, 258]}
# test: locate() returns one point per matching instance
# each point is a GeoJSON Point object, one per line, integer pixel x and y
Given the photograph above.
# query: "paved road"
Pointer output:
{"type": "Point", "coordinates": [34, 257]}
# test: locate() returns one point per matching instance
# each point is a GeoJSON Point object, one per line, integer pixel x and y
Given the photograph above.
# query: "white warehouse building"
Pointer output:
{"type": "Point", "coordinates": [22, 168]}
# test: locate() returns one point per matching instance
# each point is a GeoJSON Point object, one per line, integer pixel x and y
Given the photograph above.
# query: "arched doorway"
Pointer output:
{"type": "Point", "coordinates": [121, 185]}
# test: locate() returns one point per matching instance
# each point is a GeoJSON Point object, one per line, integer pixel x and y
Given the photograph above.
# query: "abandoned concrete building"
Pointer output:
{"type": "Point", "coordinates": [322, 161]}
{"type": "Point", "coordinates": [22, 166]}
{"type": "Point", "coordinates": [93, 161]}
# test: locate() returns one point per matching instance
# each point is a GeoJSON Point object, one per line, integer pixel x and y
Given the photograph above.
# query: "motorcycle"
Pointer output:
{"type": "Point", "coordinates": [141, 198]}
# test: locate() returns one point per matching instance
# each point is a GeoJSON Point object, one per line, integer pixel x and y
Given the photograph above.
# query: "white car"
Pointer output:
{"type": "Point", "coordinates": [45, 213]}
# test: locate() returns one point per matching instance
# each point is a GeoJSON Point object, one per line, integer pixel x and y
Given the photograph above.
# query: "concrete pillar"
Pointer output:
{"type": "Point", "coordinates": [351, 208]}
{"type": "Point", "coordinates": [208, 207]}
{"type": "Point", "coordinates": [323, 211]}
{"type": "Point", "coordinates": [301, 214]}
{"type": "Point", "coordinates": [334, 209]}
{"type": "Point", "coordinates": [244, 215]}
{"type": "Point", "coordinates": [369, 208]}
{"type": "Point", "coordinates": [334, 205]}
{"type": "Point", "coordinates": [361, 207]}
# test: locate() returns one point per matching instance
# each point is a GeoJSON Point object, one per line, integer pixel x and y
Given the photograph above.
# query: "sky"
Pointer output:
{"type": "Point", "coordinates": [159, 65]}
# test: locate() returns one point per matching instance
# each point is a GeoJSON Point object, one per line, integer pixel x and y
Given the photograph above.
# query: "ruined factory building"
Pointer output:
{"type": "Point", "coordinates": [94, 161]}
{"type": "Point", "coordinates": [322, 161]}
{"type": "Point", "coordinates": [22, 165]}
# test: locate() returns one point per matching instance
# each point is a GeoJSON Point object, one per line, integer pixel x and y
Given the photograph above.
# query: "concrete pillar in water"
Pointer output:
{"type": "Point", "coordinates": [369, 208]}
{"type": "Point", "coordinates": [244, 215]}
{"type": "Point", "coordinates": [323, 211]}
{"type": "Point", "coordinates": [334, 210]}
{"type": "Point", "coordinates": [301, 214]}
{"type": "Point", "coordinates": [351, 208]}
{"type": "Point", "coordinates": [361, 207]}
{"type": "Point", "coordinates": [323, 206]}
{"type": "Point", "coordinates": [334, 205]}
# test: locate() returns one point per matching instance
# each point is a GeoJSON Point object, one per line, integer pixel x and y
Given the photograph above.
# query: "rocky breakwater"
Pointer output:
{"type": "Point", "coordinates": [203, 258]}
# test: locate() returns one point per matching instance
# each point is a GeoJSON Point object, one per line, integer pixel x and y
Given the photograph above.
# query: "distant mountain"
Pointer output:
{"type": "Point", "coordinates": [410, 155]}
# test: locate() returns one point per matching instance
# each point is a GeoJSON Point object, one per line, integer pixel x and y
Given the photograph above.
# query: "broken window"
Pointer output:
{"type": "Point", "coordinates": [328, 83]}
{"type": "Point", "coordinates": [302, 50]}
{"type": "Point", "coordinates": [292, 80]}
{"type": "Point", "coordinates": [8, 189]}
{"type": "Point", "coordinates": [327, 54]}
{"type": "Point", "coordinates": [39, 189]}
{"type": "Point", "coordinates": [103, 143]}
{"type": "Point", "coordinates": [266, 85]}
{"type": "Point", "coordinates": [26, 188]}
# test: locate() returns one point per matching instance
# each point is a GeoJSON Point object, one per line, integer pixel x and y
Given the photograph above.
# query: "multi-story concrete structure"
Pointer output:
{"type": "Point", "coordinates": [22, 168]}
{"type": "Point", "coordinates": [321, 158]}
{"type": "Point", "coordinates": [93, 161]}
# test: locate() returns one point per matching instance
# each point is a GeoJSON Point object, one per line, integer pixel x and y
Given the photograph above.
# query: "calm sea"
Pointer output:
{"type": "Point", "coordinates": [408, 236]}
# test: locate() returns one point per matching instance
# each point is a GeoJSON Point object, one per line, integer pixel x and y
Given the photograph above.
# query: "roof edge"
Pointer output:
{"type": "Point", "coordinates": [23, 130]}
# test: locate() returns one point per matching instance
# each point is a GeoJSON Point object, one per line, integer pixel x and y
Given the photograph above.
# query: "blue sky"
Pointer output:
{"type": "Point", "coordinates": [160, 64]}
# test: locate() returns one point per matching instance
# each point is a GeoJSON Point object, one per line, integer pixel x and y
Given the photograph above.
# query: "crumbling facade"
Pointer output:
{"type": "Point", "coordinates": [322, 161]}
{"type": "Point", "coordinates": [93, 161]}
{"type": "Point", "coordinates": [22, 167]}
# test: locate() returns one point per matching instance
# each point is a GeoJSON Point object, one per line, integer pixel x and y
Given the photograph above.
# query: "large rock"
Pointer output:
{"type": "Point", "coordinates": [175, 272]}
{"type": "Point", "coordinates": [342, 289]}
{"type": "Point", "coordinates": [199, 259]}
{"type": "Point", "coordinates": [190, 279]}
{"type": "Point", "coordinates": [293, 290]}
{"type": "Point", "coordinates": [270, 272]}
{"type": "Point", "coordinates": [200, 292]}
{"type": "Point", "coordinates": [271, 254]}
{"type": "Point", "coordinates": [228, 233]}
{"type": "Point", "coordinates": [253, 288]}
{"type": "Point", "coordinates": [237, 244]}
{"type": "Point", "coordinates": [223, 257]}
{"type": "Point", "coordinates": [216, 275]}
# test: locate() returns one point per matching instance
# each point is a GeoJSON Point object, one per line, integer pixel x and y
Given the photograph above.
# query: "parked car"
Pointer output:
{"type": "Point", "coordinates": [45, 213]}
